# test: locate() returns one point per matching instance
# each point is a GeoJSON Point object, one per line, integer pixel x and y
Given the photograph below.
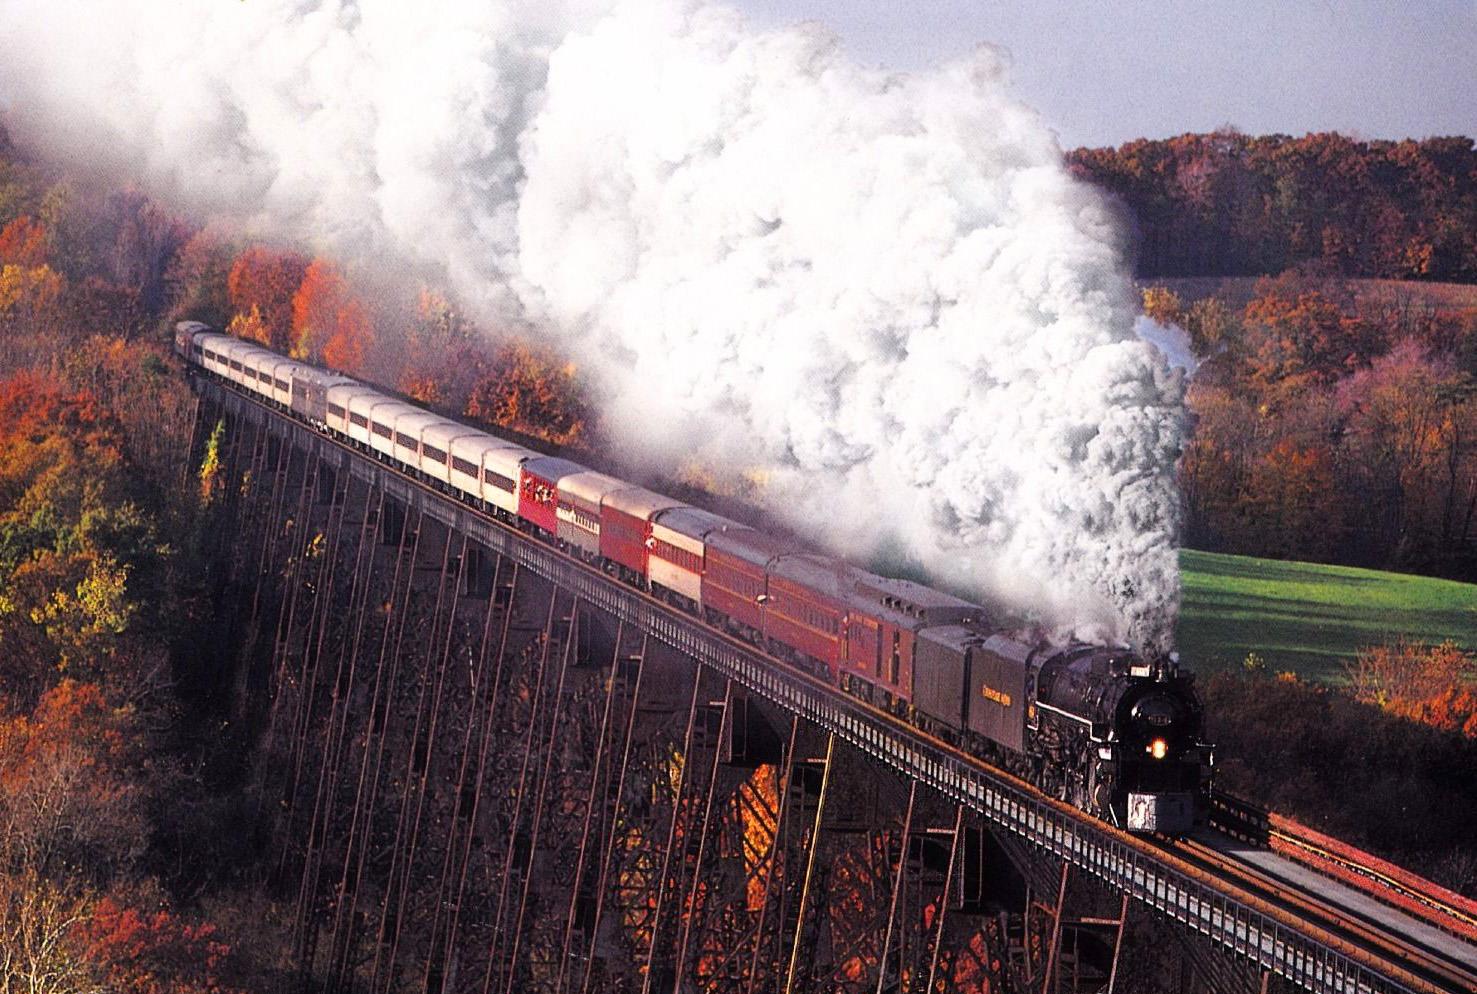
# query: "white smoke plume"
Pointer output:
{"type": "Point", "coordinates": [885, 291]}
{"type": "Point", "coordinates": [1172, 341]}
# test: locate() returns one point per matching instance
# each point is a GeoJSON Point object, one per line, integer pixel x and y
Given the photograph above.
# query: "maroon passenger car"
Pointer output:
{"type": "Point", "coordinates": [735, 576]}
{"type": "Point", "coordinates": [806, 609]}
{"type": "Point", "coordinates": [885, 618]}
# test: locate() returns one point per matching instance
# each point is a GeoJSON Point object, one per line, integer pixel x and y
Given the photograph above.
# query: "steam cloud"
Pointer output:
{"type": "Point", "coordinates": [883, 290]}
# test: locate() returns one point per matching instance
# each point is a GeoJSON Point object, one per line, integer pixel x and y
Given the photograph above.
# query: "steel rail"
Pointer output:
{"type": "Point", "coordinates": [1421, 965]}
{"type": "Point", "coordinates": [1391, 885]}
{"type": "Point", "coordinates": [1269, 937]}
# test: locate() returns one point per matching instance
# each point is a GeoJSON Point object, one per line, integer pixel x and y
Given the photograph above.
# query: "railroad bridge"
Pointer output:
{"type": "Point", "coordinates": [489, 767]}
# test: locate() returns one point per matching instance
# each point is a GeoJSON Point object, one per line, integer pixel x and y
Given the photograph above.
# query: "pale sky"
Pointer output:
{"type": "Point", "coordinates": [1101, 73]}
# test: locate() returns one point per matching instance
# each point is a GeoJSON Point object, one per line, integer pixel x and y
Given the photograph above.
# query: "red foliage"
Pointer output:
{"type": "Point", "coordinates": [329, 325]}
{"type": "Point", "coordinates": [266, 279]}
{"type": "Point", "coordinates": [23, 242]}
{"type": "Point", "coordinates": [155, 953]}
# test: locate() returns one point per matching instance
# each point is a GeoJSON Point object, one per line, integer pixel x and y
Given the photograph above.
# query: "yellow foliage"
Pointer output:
{"type": "Point", "coordinates": [1163, 305]}
{"type": "Point", "coordinates": [250, 326]}
{"type": "Point", "coordinates": [98, 607]}
{"type": "Point", "coordinates": [28, 289]}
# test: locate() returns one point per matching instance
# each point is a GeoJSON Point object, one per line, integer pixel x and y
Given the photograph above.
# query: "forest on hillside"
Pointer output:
{"type": "Point", "coordinates": [1229, 204]}
{"type": "Point", "coordinates": [1330, 427]}
{"type": "Point", "coordinates": [131, 856]}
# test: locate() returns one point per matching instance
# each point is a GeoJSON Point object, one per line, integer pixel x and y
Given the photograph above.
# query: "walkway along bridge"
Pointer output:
{"type": "Point", "coordinates": [491, 767]}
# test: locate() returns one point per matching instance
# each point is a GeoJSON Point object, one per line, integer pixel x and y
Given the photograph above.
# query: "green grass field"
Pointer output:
{"type": "Point", "coordinates": [1310, 618]}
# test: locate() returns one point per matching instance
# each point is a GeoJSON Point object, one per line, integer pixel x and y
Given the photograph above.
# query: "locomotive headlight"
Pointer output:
{"type": "Point", "coordinates": [1158, 749]}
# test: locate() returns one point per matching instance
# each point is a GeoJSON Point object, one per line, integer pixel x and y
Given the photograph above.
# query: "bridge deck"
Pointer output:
{"type": "Point", "coordinates": [1350, 901]}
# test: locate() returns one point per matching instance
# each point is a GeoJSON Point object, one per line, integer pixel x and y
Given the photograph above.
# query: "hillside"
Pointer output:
{"type": "Point", "coordinates": [1440, 300]}
{"type": "Point", "coordinates": [1309, 618]}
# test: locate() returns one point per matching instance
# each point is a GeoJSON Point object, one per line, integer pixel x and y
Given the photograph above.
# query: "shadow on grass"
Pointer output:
{"type": "Point", "coordinates": [1460, 624]}
{"type": "Point", "coordinates": [1310, 619]}
{"type": "Point", "coordinates": [1272, 571]}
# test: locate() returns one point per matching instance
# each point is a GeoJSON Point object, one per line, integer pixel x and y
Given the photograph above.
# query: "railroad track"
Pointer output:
{"type": "Point", "coordinates": [1420, 965]}
{"type": "Point", "coordinates": [1383, 881]}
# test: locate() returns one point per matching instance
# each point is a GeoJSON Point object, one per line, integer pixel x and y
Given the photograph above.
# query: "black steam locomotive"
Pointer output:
{"type": "Point", "coordinates": [1102, 728]}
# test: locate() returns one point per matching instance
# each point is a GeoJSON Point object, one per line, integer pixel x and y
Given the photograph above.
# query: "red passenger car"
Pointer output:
{"type": "Point", "coordinates": [625, 527]}
{"type": "Point", "coordinates": [538, 490]}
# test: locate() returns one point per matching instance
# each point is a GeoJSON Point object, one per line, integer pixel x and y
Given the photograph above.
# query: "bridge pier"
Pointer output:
{"type": "Point", "coordinates": [494, 786]}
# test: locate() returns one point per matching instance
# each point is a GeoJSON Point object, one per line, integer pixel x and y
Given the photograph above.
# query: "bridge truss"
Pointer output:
{"type": "Point", "coordinates": [494, 768]}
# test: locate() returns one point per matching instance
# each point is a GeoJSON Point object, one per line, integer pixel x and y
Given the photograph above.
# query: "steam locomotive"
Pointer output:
{"type": "Point", "coordinates": [1100, 727]}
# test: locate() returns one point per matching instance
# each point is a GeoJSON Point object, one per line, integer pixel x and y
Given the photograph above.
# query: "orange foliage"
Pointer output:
{"type": "Point", "coordinates": [346, 347]}
{"type": "Point", "coordinates": [1294, 500]}
{"type": "Point", "coordinates": [33, 404]}
{"type": "Point", "coordinates": [328, 324]}
{"type": "Point", "coordinates": [423, 388]}
{"type": "Point", "coordinates": [267, 279]}
{"type": "Point", "coordinates": [65, 800]}
{"type": "Point", "coordinates": [1433, 684]}
{"type": "Point", "coordinates": [1299, 337]}
{"type": "Point", "coordinates": [530, 392]}
{"type": "Point", "coordinates": [23, 242]}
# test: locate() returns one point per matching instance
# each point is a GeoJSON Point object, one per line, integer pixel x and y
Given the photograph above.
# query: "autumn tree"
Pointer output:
{"type": "Point", "coordinates": [530, 392]}
{"type": "Point", "coordinates": [23, 242]}
{"type": "Point", "coordinates": [196, 281]}
{"type": "Point", "coordinates": [39, 931]}
{"type": "Point", "coordinates": [64, 214]}
{"type": "Point", "coordinates": [155, 952]}
{"type": "Point", "coordinates": [28, 292]}
{"type": "Point", "coordinates": [1211, 326]}
{"type": "Point", "coordinates": [77, 546]}
{"type": "Point", "coordinates": [1411, 440]}
{"type": "Point", "coordinates": [1293, 505]}
{"type": "Point", "coordinates": [1432, 684]}
{"type": "Point", "coordinates": [153, 405]}
{"type": "Point", "coordinates": [1231, 204]}
{"type": "Point", "coordinates": [329, 324]}
{"type": "Point", "coordinates": [32, 315]}
{"type": "Point", "coordinates": [251, 327]}
{"type": "Point", "coordinates": [1296, 337]}
{"type": "Point", "coordinates": [444, 356]}
{"type": "Point", "coordinates": [137, 240]}
{"type": "Point", "coordinates": [96, 306]}
{"type": "Point", "coordinates": [67, 802]}
{"type": "Point", "coordinates": [267, 280]}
